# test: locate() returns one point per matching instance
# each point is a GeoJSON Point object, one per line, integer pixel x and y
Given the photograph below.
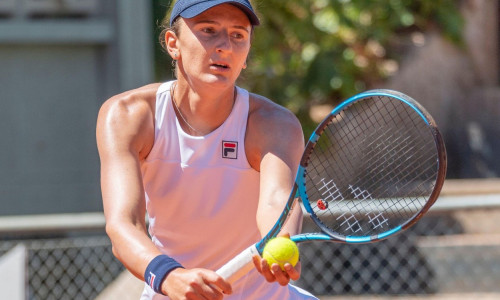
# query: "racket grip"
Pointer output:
{"type": "Point", "coordinates": [240, 265]}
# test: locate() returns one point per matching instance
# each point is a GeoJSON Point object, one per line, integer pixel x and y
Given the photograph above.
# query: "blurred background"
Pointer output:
{"type": "Point", "coordinates": [61, 59]}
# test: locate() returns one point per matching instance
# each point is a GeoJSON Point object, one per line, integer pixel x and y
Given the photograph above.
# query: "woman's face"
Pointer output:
{"type": "Point", "coordinates": [213, 46]}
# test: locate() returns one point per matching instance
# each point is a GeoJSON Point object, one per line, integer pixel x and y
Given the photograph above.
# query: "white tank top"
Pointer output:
{"type": "Point", "coordinates": [202, 195]}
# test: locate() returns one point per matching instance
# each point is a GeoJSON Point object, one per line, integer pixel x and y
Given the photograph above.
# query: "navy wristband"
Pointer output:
{"type": "Point", "coordinates": [158, 269]}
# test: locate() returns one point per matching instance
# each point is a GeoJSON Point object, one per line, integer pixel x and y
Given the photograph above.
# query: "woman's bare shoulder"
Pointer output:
{"type": "Point", "coordinates": [145, 95]}
{"type": "Point", "coordinates": [128, 118]}
{"type": "Point", "coordinates": [271, 128]}
{"type": "Point", "coordinates": [271, 115]}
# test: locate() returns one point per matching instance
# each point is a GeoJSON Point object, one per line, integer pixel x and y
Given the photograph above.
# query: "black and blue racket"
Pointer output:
{"type": "Point", "coordinates": [371, 169]}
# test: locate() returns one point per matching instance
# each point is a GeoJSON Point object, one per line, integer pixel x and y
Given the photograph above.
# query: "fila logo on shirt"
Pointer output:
{"type": "Point", "coordinates": [229, 149]}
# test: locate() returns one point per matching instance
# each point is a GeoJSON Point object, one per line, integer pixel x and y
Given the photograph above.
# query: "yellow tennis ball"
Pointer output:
{"type": "Point", "coordinates": [281, 250]}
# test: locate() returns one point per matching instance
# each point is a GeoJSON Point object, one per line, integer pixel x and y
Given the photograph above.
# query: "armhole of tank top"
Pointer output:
{"type": "Point", "coordinates": [160, 112]}
{"type": "Point", "coordinates": [244, 96]}
{"type": "Point", "coordinates": [161, 104]}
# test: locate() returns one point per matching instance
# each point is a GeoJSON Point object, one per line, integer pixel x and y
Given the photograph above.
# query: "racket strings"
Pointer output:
{"type": "Point", "coordinates": [373, 165]}
{"type": "Point", "coordinates": [399, 172]}
{"type": "Point", "coordinates": [384, 162]}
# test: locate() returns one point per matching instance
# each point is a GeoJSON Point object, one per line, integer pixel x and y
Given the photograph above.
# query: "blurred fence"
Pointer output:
{"type": "Point", "coordinates": [453, 249]}
{"type": "Point", "coordinates": [435, 256]}
{"type": "Point", "coordinates": [68, 256]}
{"type": "Point", "coordinates": [68, 268]}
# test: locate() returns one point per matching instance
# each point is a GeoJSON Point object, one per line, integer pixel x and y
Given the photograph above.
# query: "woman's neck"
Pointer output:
{"type": "Point", "coordinates": [203, 110]}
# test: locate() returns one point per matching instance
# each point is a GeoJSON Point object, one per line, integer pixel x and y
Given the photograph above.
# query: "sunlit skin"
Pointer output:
{"type": "Point", "coordinates": [211, 50]}
{"type": "Point", "coordinates": [212, 46]}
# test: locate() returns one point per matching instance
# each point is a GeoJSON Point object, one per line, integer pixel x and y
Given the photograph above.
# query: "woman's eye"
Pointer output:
{"type": "Point", "coordinates": [208, 30]}
{"type": "Point", "coordinates": [238, 35]}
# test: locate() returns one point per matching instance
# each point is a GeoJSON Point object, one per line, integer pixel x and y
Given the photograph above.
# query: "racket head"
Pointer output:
{"type": "Point", "coordinates": [372, 168]}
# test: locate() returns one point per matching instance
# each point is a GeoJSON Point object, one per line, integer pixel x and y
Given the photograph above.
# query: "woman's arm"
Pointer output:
{"type": "Point", "coordinates": [280, 143]}
{"type": "Point", "coordinates": [125, 135]}
{"type": "Point", "coordinates": [124, 132]}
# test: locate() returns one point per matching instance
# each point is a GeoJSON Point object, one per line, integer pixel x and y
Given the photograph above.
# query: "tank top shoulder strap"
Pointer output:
{"type": "Point", "coordinates": [161, 107]}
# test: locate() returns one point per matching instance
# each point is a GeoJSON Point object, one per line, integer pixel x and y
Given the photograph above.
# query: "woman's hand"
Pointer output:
{"type": "Point", "coordinates": [274, 272]}
{"type": "Point", "coordinates": [194, 284]}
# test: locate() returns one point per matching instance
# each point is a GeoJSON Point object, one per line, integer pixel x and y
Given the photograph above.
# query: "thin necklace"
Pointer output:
{"type": "Point", "coordinates": [172, 90]}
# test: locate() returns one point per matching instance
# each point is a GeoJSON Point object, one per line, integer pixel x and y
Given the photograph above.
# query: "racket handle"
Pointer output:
{"type": "Point", "coordinates": [240, 265]}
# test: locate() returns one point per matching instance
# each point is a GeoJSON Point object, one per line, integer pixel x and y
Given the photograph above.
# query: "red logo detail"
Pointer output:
{"type": "Point", "coordinates": [229, 149]}
{"type": "Point", "coordinates": [322, 204]}
{"type": "Point", "coordinates": [152, 279]}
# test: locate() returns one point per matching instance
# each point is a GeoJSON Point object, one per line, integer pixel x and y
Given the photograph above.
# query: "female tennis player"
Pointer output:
{"type": "Point", "coordinates": [210, 163]}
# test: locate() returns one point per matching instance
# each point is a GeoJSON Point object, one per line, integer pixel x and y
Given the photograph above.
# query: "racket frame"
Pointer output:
{"type": "Point", "coordinates": [327, 234]}
{"type": "Point", "coordinates": [242, 263]}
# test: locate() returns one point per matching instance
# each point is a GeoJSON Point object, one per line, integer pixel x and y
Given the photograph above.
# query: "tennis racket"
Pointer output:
{"type": "Point", "coordinates": [371, 169]}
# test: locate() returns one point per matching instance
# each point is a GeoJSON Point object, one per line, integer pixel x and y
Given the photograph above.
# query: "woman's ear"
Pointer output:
{"type": "Point", "coordinates": [245, 63]}
{"type": "Point", "coordinates": [171, 44]}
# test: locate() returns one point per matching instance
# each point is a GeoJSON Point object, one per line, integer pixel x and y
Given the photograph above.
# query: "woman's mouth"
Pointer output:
{"type": "Point", "coordinates": [221, 66]}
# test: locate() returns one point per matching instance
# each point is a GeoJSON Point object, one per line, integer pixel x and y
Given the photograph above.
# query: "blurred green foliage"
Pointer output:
{"type": "Point", "coordinates": [323, 51]}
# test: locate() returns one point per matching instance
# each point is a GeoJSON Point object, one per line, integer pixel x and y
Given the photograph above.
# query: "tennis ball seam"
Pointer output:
{"type": "Point", "coordinates": [284, 260]}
